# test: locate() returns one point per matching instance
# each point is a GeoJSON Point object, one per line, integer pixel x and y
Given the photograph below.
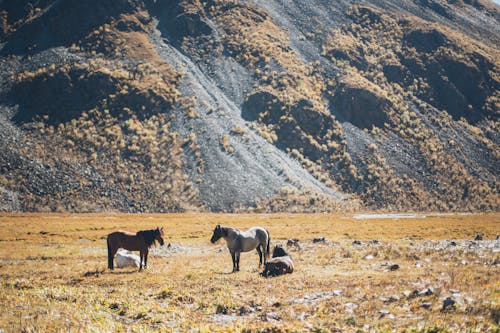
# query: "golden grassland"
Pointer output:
{"type": "Point", "coordinates": [54, 276]}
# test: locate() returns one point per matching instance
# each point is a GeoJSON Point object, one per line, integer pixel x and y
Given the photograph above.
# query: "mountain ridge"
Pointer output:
{"type": "Point", "coordinates": [249, 106]}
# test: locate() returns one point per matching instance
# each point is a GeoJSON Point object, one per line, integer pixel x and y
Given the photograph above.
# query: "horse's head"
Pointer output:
{"type": "Point", "coordinates": [158, 236]}
{"type": "Point", "coordinates": [218, 233]}
{"type": "Point", "coordinates": [279, 251]}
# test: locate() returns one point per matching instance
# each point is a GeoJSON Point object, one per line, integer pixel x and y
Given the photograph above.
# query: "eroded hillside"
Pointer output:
{"type": "Point", "coordinates": [249, 105]}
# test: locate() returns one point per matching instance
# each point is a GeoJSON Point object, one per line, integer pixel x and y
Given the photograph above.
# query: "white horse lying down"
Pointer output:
{"type": "Point", "coordinates": [243, 241]}
{"type": "Point", "coordinates": [127, 259]}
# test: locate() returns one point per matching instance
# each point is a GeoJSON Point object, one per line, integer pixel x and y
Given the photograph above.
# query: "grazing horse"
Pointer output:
{"type": "Point", "coordinates": [244, 241]}
{"type": "Point", "coordinates": [140, 241]}
{"type": "Point", "coordinates": [280, 264]}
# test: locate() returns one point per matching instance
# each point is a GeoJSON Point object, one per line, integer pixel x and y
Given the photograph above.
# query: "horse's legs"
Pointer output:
{"type": "Point", "coordinates": [266, 253]}
{"type": "Point", "coordinates": [141, 260]}
{"type": "Point", "coordinates": [238, 261]}
{"type": "Point", "coordinates": [233, 257]}
{"type": "Point", "coordinates": [260, 255]}
{"type": "Point", "coordinates": [146, 251]}
{"type": "Point", "coordinates": [111, 256]}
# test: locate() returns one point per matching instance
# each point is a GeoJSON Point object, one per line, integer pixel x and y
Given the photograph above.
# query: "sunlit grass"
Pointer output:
{"type": "Point", "coordinates": [54, 276]}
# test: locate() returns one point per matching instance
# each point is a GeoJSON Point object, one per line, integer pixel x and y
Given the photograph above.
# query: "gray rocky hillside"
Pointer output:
{"type": "Point", "coordinates": [261, 105]}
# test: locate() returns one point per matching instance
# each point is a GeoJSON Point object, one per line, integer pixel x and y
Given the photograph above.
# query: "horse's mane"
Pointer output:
{"type": "Point", "coordinates": [279, 251]}
{"type": "Point", "coordinates": [148, 235]}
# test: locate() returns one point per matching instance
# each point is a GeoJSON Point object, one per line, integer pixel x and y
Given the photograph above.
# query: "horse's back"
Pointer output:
{"type": "Point", "coordinates": [253, 237]}
{"type": "Point", "coordinates": [124, 239]}
{"type": "Point", "coordinates": [260, 233]}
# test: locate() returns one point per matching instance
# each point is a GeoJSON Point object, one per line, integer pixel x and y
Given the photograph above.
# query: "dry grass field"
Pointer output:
{"type": "Point", "coordinates": [54, 276]}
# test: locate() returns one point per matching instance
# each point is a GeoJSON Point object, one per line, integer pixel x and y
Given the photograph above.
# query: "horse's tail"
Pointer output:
{"type": "Point", "coordinates": [110, 254]}
{"type": "Point", "coordinates": [268, 244]}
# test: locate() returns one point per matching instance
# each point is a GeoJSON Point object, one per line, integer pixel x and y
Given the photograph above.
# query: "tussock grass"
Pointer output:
{"type": "Point", "coordinates": [54, 275]}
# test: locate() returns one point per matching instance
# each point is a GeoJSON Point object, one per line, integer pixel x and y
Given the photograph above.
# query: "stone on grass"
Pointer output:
{"type": "Point", "coordinates": [426, 292]}
{"type": "Point", "coordinates": [448, 304]}
{"type": "Point", "coordinates": [426, 305]}
{"type": "Point", "coordinates": [319, 240]}
{"type": "Point", "coordinates": [394, 267]}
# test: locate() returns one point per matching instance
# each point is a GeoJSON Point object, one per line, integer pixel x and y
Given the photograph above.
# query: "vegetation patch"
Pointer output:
{"type": "Point", "coordinates": [342, 282]}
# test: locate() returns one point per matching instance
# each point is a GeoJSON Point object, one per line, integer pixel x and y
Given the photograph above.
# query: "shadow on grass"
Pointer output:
{"type": "Point", "coordinates": [115, 272]}
{"type": "Point", "coordinates": [100, 271]}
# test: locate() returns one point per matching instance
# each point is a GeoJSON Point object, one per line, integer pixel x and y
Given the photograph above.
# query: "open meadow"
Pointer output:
{"type": "Point", "coordinates": [405, 273]}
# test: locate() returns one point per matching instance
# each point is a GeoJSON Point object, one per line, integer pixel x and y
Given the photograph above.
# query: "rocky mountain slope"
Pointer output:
{"type": "Point", "coordinates": [225, 105]}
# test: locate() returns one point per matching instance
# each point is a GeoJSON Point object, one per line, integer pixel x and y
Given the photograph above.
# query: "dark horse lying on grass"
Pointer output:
{"type": "Point", "coordinates": [141, 241]}
{"type": "Point", "coordinates": [280, 264]}
{"type": "Point", "coordinates": [244, 241]}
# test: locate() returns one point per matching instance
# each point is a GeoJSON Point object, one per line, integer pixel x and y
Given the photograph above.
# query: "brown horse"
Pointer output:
{"type": "Point", "coordinates": [141, 241]}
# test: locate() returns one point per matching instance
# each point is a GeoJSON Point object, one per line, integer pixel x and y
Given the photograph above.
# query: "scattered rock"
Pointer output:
{"type": "Point", "coordinates": [479, 237]}
{"type": "Point", "coordinates": [383, 313]}
{"type": "Point", "coordinates": [319, 240]}
{"type": "Point", "coordinates": [221, 309]}
{"type": "Point", "coordinates": [356, 242]}
{"type": "Point", "coordinates": [368, 257]}
{"type": "Point", "coordinates": [426, 292]}
{"type": "Point", "coordinates": [311, 298]}
{"type": "Point", "coordinates": [453, 243]}
{"type": "Point", "coordinates": [394, 267]}
{"type": "Point", "coordinates": [293, 242]}
{"type": "Point", "coordinates": [350, 307]}
{"type": "Point", "coordinates": [272, 316]}
{"type": "Point", "coordinates": [448, 304]}
{"type": "Point", "coordinates": [337, 292]}
{"type": "Point", "coordinates": [393, 298]}
{"type": "Point", "coordinates": [224, 318]}
{"type": "Point", "coordinates": [426, 305]}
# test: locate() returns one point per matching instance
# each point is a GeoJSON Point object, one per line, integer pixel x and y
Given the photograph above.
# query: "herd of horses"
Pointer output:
{"type": "Point", "coordinates": [237, 241]}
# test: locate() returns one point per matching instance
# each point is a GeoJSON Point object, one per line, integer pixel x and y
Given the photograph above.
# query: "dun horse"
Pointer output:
{"type": "Point", "coordinates": [244, 241]}
{"type": "Point", "coordinates": [141, 241]}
